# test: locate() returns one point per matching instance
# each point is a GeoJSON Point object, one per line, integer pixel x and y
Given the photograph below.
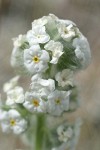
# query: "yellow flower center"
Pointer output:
{"type": "Point", "coordinates": [38, 36]}
{"type": "Point", "coordinates": [35, 102]}
{"type": "Point", "coordinates": [58, 101]}
{"type": "Point", "coordinates": [65, 31]}
{"type": "Point", "coordinates": [36, 59]}
{"type": "Point", "coordinates": [64, 79]}
{"type": "Point", "coordinates": [12, 122]}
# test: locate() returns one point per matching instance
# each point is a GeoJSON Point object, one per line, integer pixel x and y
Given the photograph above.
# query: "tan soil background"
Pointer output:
{"type": "Point", "coordinates": [16, 17]}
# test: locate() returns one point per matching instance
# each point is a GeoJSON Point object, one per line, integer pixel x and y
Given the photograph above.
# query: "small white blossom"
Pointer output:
{"type": "Point", "coordinates": [44, 20]}
{"type": "Point", "coordinates": [67, 32]}
{"type": "Point", "coordinates": [82, 50]}
{"type": "Point", "coordinates": [36, 78]}
{"type": "Point", "coordinates": [15, 95]}
{"type": "Point", "coordinates": [34, 103]}
{"type": "Point", "coordinates": [19, 41]}
{"type": "Point", "coordinates": [11, 84]}
{"type": "Point", "coordinates": [64, 78]}
{"type": "Point", "coordinates": [57, 50]}
{"type": "Point", "coordinates": [37, 35]}
{"type": "Point", "coordinates": [12, 121]}
{"type": "Point", "coordinates": [42, 86]}
{"type": "Point", "coordinates": [58, 102]}
{"type": "Point", "coordinates": [39, 22]}
{"type": "Point", "coordinates": [35, 59]}
{"type": "Point", "coordinates": [64, 134]}
{"type": "Point", "coordinates": [79, 54]}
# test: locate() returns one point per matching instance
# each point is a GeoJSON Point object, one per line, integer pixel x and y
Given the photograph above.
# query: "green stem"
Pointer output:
{"type": "Point", "coordinates": [40, 132]}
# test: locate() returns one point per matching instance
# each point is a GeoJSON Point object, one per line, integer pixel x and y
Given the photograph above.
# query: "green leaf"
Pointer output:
{"type": "Point", "coordinates": [52, 30]}
{"type": "Point", "coordinates": [68, 59]}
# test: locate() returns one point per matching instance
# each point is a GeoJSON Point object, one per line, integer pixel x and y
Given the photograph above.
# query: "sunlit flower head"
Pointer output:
{"type": "Point", "coordinates": [19, 41]}
{"type": "Point", "coordinates": [35, 59]}
{"type": "Point", "coordinates": [12, 121]}
{"type": "Point", "coordinates": [67, 32]}
{"type": "Point", "coordinates": [58, 102]}
{"type": "Point", "coordinates": [42, 86]}
{"type": "Point", "coordinates": [64, 134]}
{"type": "Point", "coordinates": [15, 96]}
{"type": "Point", "coordinates": [37, 35]}
{"type": "Point", "coordinates": [65, 78]}
{"type": "Point", "coordinates": [56, 49]}
{"type": "Point", "coordinates": [11, 84]}
{"type": "Point", "coordinates": [34, 103]}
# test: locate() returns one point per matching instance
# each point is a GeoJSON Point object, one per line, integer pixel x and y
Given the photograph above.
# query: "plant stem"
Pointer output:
{"type": "Point", "coordinates": [40, 132]}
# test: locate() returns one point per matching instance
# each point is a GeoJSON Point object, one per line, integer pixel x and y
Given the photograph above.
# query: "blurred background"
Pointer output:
{"type": "Point", "coordinates": [16, 17]}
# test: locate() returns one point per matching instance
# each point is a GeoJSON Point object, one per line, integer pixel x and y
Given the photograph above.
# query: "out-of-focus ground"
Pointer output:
{"type": "Point", "coordinates": [16, 17]}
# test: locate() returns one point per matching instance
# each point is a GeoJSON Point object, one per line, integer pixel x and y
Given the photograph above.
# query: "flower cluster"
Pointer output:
{"type": "Point", "coordinates": [50, 53]}
{"type": "Point", "coordinates": [51, 43]}
{"type": "Point", "coordinates": [12, 121]}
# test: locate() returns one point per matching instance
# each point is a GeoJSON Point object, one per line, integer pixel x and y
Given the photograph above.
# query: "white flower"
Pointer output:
{"type": "Point", "coordinates": [64, 134]}
{"type": "Point", "coordinates": [44, 20]}
{"type": "Point", "coordinates": [15, 95]}
{"type": "Point", "coordinates": [37, 35]}
{"type": "Point", "coordinates": [19, 41]}
{"type": "Point", "coordinates": [35, 59]}
{"type": "Point", "coordinates": [79, 54]}
{"type": "Point", "coordinates": [57, 50]}
{"type": "Point", "coordinates": [65, 78]}
{"type": "Point", "coordinates": [34, 103]}
{"type": "Point", "coordinates": [58, 101]}
{"type": "Point", "coordinates": [39, 22]}
{"type": "Point", "coordinates": [42, 86]}
{"type": "Point", "coordinates": [82, 50]}
{"type": "Point", "coordinates": [12, 121]}
{"type": "Point", "coordinates": [11, 84]}
{"type": "Point", "coordinates": [36, 78]}
{"type": "Point", "coordinates": [67, 32]}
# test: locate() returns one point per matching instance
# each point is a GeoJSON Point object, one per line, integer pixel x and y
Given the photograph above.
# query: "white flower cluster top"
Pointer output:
{"type": "Point", "coordinates": [50, 53]}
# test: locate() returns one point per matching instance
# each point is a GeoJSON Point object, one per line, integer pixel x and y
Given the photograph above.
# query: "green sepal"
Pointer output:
{"type": "Point", "coordinates": [68, 59]}
{"type": "Point", "coordinates": [52, 30]}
